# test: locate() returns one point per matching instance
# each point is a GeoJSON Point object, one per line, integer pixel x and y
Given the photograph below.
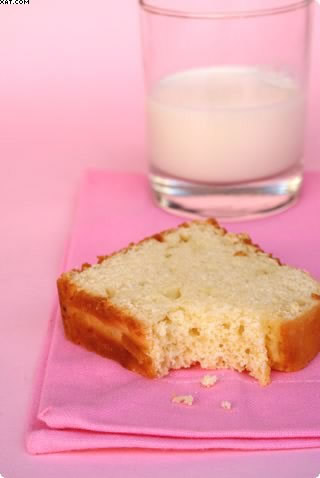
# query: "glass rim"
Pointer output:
{"type": "Point", "coordinates": [214, 14]}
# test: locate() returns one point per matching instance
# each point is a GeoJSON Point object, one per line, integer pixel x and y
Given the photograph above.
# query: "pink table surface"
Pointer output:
{"type": "Point", "coordinates": [56, 118]}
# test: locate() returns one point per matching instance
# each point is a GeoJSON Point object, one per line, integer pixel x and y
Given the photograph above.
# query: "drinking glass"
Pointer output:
{"type": "Point", "coordinates": [226, 96]}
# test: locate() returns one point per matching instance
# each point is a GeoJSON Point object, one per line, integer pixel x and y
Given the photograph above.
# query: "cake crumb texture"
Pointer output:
{"type": "Point", "coordinates": [226, 405]}
{"type": "Point", "coordinates": [209, 380]}
{"type": "Point", "coordinates": [183, 399]}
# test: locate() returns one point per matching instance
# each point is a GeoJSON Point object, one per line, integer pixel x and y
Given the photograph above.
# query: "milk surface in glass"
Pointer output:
{"type": "Point", "coordinates": [225, 124]}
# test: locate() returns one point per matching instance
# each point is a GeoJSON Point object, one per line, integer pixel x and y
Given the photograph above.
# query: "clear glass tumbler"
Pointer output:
{"type": "Point", "coordinates": [226, 89]}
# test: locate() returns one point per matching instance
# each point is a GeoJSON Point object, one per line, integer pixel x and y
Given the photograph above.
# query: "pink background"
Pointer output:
{"type": "Point", "coordinates": [71, 96]}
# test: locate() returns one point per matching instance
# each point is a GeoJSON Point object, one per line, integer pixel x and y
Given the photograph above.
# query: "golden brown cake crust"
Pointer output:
{"type": "Point", "coordinates": [298, 342]}
{"type": "Point", "coordinates": [91, 322]}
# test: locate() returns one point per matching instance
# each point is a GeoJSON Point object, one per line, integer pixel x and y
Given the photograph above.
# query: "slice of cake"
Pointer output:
{"type": "Point", "coordinates": [194, 295]}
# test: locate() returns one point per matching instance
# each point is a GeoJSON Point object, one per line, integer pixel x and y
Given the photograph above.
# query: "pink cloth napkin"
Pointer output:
{"type": "Point", "coordinates": [84, 401]}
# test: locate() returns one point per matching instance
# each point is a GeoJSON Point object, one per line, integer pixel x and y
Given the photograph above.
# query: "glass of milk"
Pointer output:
{"type": "Point", "coordinates": [226, 91]}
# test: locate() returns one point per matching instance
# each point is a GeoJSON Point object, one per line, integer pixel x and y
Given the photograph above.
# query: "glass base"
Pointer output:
{"type": "Point", "coordinates": [227, 202]}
